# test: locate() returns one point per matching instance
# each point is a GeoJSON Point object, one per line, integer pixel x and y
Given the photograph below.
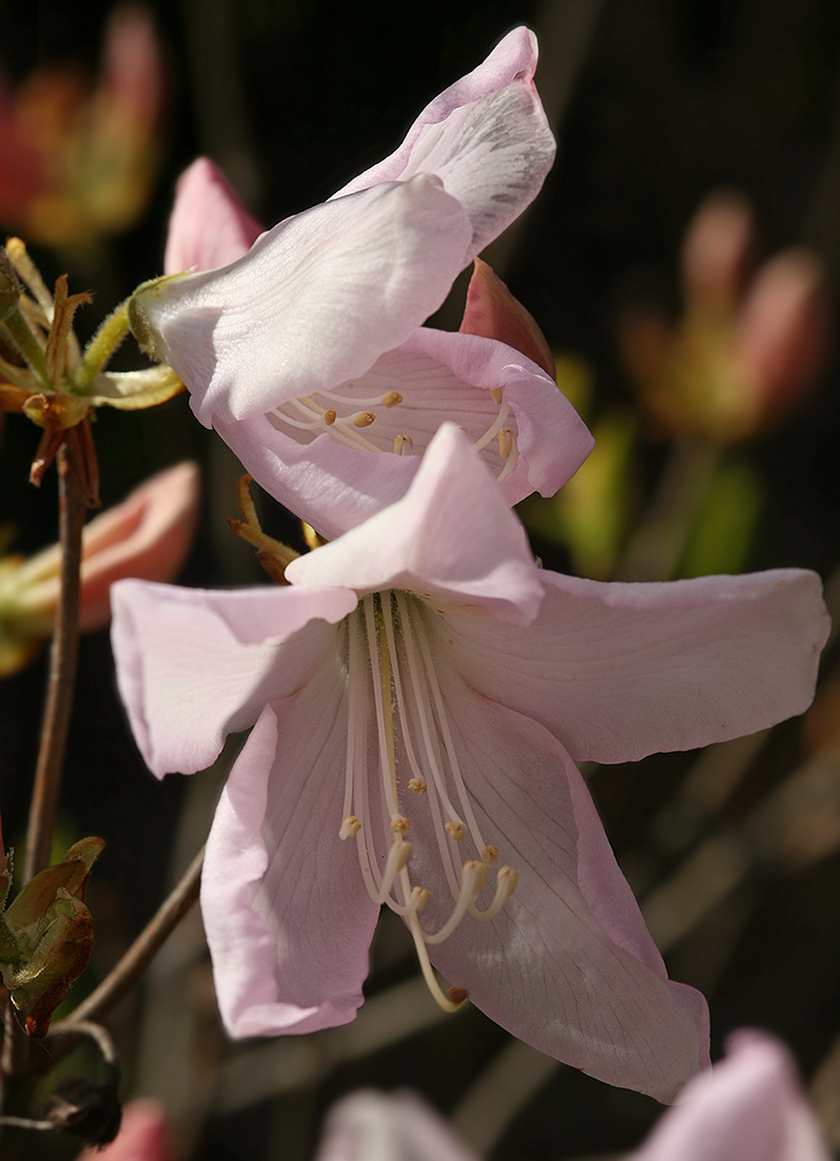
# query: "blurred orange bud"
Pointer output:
{"type": "Point", "coordinates": [492, 312]}
{"type": "Point", "coordinates": [80, 157]}
{"type": "Point", "coordinates": [718, 248]}
{"type": "Point", "coordinates": [143, 1136]}
{"type": "Point", "coordinates": [149, 535]}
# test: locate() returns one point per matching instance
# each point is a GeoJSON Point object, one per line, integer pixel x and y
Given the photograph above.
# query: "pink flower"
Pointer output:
{"type": "Point", "coordinates": [148, 535]}
{"type": "Point", "coordinates": [143, 1136]}
{"type": "Point", "coordinates": [748, 1108]}
{"type": "Point", "coordinates": [419, 691]}
{"type": "Point", "coordinates": [375, 1126]}
{"type": "Point", "coordinates": [307, 354]}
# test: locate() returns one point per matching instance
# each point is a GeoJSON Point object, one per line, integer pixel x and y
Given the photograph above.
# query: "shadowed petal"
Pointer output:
{"type": "Point", "coordinates": [360, 273]}
{"type": "Point", "coordinates": [209, 226]}
{"type": "Point", "coordinates": [194, 665]}
{"type": "Point", "coordinates": [567, 965]}
{"type": "Point", "coordinates": [451, 534]}
{"type": "Point", "coordinates": [618, 671]}
{"type": "Point", "coordinates": [486, 137]}
{"type": "Point", "coordinates": [288, 919]}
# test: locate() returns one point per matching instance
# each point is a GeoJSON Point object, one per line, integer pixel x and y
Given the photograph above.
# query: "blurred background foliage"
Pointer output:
{"type": "Point", "coordinates": [712, 390]}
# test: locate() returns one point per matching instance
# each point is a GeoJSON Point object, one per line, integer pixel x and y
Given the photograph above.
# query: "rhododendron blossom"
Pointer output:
{"type": "Point", "coordinates": [418, 693]}
{"type": "Point", "coordinates": [307, 355]}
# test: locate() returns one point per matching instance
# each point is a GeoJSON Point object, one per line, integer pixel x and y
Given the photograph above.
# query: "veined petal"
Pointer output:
{"type": "Point", "coordinates": [439, 377]}
{"type": "Point", "coordinates": [315, 300]}
{"type": "Point", "coordinates": [229, 652]}
{"type": "Point", "coordinates": [209, 226]}
{"type": "Point", "coordinates": [452, 535]}
{"type": "Point", "coordinates": [486, 137]}
{"type": "Point", "coordinates": [747, 1108]}
{"type": "Point", "coordinates": [618, 671]}
{"type": "Point", "coordinates": [567, 964]}
{"type": "Point", "coordinates": [288, 919]}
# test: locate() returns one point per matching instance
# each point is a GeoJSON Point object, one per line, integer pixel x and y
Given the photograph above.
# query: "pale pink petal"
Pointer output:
{"type": "Point", "coordinates": [315, 301]}
{"type": "Point", "coordinates": [143, 1136]}
{"type": "Point", "coordinates": [451, 535]}
{"type": "Point", "coordinates": [288, 918]}
{"type": "Point", "coordinates": [748, 1108]}
{"type": "Point", "coordinates": [194, 665]}
{"type": "Point", "coordinates": [567, 965]}
{"type": "Point", "coordinates": [373, 1126]}
{"type": "Point", "coordinates": [618, 671]}
{"type": "Point", "coordinates": [486, 137]}
{"type": "Point", "coordinates": [440, 376]}
{"type": "Point", "coordinates": [209, 226]}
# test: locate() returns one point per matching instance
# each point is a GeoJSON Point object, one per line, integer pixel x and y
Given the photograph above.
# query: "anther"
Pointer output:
{"type": "Point", "coordinates": [505, 442]}
{"type": "Point", "coordinates": [456, 830]}
{"type": "Point", "coordinates": [400, 824]}
{"type": "Point", "coordinates": [363, 419]}
{"type": "Point", "coordinates": [350, 827]}
{"type": "Point", "coordinates": [391, 398]}
{"type": "Point", "coordinates": [489, 856]}
{"type": "Point", "coordinates": [419, 898]}
{"type": "Point", "coordinates": [496, 394]}
{"type": "Point", "coordinates": [458, 995]}
{"type": "Point", "coordinates": [506, 880]}
{"type": "Point", "coordinates": [418, 785]}
{"type": "Point", "coordinates": [473, 878]}
{"type": "Point", "coordinates": [398, 856]}
{"type": "Point", "coordinates": [403, 441]}
{"type": "Point", "coordinates": [330, 416]}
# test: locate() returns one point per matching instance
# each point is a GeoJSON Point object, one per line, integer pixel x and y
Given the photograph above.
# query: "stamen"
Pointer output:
{"type": "Point", "coordinates": [330, 416]}
{"type": "Point", "coordinates": [350, 827]}
{"type": "Point", "coordinates": [400, 825]}
{"type": "Point", "coordinates": [456, 830]}
{"type": "Point", "coordinates": [506, 880]}
{"type": "Point", "coordinates": [495, 427]}
{"type": "Point", "coordinates": [490, 855]}
{"type": "Point", "coordinates": [398, 856]}
{"type": "Point", "coordinates": [419, 898]}
{"type": "Point", "coordinates": [391, 398]}
{"type": "Point", "coordinates": [473, 877]}
{"type": "Point", "coordinates": [505, 442]}
{"type": "Point", "coordinates": [444, 1002]}
{"type": "Point", "coordinates": [418, 785]}
{"type": "Point", "coordinates": [496, 394]}
{"type": "Point", "coordinates": [363, 419]}
{"type": "Point", "coordinates": [403, 441]}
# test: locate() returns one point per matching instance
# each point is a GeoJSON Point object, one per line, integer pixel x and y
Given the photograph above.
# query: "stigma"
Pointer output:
{"type": "Point", "coordinates": [405, 799]}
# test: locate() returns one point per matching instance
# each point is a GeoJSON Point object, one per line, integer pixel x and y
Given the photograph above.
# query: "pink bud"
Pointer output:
{"type": "Point", "coordinates": [209, 226]}
{"type": "Point", "coordinates": [492, 312]}
{"type": "Point", "coordinates": [717, 248]}
{"type": "Point", "coordinates": [132, 66]}
{"type": "Point", "coordinates": [143, 1136]}
{"type": "Point", "coordinates": [782, 332]}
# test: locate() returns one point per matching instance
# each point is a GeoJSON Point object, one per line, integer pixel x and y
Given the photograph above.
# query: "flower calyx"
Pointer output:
{"type": "Point", "coordinates": [46, 934]}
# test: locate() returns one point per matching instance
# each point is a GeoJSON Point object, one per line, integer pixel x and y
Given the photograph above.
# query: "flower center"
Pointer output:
{"type": "Point", "coordinates": [392, 679]}
{"type": "Point", "coordinates": [387, 421]}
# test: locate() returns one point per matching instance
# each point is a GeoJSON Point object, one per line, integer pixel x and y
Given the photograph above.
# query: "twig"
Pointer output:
{"type": "Point", "coordinates": [141, 953]}
{"type": "Point", "coordinates": [63, 657]}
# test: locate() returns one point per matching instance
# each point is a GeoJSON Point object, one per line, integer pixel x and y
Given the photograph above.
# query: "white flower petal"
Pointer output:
{"type": "Point", "coordinates": [194, 665]}
{"type": "Point", "coordinates": [288, 919]}
{"type": "Point", "coordinates": [618, 671]}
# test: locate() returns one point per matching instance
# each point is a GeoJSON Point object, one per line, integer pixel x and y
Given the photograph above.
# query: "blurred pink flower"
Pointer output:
{"type": "Point", "coordinates": [80, 158]}
{"type": "Point", "coordinates": [747, 1108]}
{"type": "Point", "coordinates": [148, 535]}
{"type": "Point", "coordinates": [307, 354]}
{"type": "Point", "coordinates": [375, 1126]}
{"type": "Point", "coordinates": [143, 1136]}
{"type": "Point", "coordinates": [421, 687]}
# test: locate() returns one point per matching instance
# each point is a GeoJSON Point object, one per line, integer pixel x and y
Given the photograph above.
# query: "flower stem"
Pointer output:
{"type": "Point", "coordinates": [22, 337]}
{"type": "Point", "coordinates": [141, 953]}
{"type": "Point", "coordinates": [101, 347]}
{"type": "Point", "coordinates": [63, 656]}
